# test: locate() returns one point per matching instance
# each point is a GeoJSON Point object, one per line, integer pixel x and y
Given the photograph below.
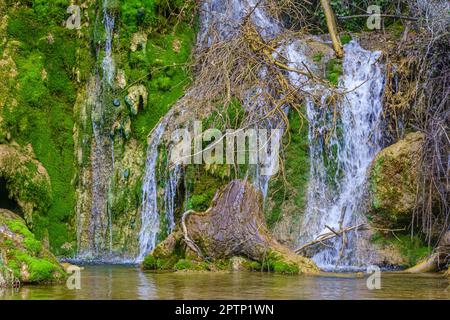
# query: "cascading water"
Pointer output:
{"type": "Point", "coordinates": [224, 17]}
{"type": "Point", "coordinates": [149, 212]}
{"type": "Point", "coordinates": [100, 223]}
{"type": "Point", "coordinates": [340, 155]}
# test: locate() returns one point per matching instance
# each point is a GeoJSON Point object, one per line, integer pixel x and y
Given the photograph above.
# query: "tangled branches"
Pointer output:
{"type": "Point", "coordinates": [417, 98]}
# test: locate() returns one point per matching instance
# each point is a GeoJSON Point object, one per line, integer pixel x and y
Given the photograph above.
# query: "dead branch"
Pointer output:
{"type": "Point", "coordinates": [332, 27]}
{"type": "Point", "coordinates": [330, 235]}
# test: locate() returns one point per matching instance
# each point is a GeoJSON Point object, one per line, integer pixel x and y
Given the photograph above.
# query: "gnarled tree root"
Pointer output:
{"type": "Point", "coordinates": [233, 226]}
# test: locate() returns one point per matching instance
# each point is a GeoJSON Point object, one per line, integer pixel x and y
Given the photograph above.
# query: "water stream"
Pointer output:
{"type": "Point", "coordinates": [128, 282]}
{"type": "Point", "coordinates": [99, 233]}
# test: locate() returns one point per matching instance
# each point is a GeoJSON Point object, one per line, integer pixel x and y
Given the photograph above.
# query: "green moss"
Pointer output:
{"type": "Point", "coordinates": [150, 263]}
{"type": "Point", "coordinates": [29, 253]}
{"type": "Point", "coordinates": [275, 263]}
{"type": "Point", "coordinates": [202, 186]}
{"type": "Point", "coordinates": [334, 71]}
{"type": "Point", "coordinates": [318, 57]}
{"type": "Point", "coordinates": [184, 264]}
{"type": "Point", "coordinates": [346, 38]}
{"type": "Point", "coordinates": [413, 249]}
{"type": "Point", "coordinates": [297, 167]}
{"type": "Point", "coordinates": [45, 94]}
{"type": "Point", "coordinates": [40, 270]}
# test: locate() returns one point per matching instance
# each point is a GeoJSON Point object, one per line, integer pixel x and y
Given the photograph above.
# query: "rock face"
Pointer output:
{"type": "Point", "coordinates": [233, 226]}
{"type": "Point", "coordinates": [137, 98]}
{"type": "Point", "coordinates": [393, 179]}
{"type": "Point", "coordinates": [22, 257]}
{"type": "Point", "coordinates": [27, 181]}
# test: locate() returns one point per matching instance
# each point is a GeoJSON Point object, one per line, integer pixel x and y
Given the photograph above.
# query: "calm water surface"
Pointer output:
{"type": "Point", "coordinates": [129, 282]}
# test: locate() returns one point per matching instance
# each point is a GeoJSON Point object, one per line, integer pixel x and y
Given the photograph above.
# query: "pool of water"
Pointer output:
{"type": "Point", "coordinates": [129, 282]}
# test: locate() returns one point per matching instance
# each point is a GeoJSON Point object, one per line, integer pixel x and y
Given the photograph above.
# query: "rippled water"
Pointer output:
{"type": "Point", "coordinates": [127, 282]}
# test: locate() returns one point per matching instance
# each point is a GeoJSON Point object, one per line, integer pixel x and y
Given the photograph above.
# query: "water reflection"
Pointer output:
{"type": "Point", "coordinates": [129, 282]}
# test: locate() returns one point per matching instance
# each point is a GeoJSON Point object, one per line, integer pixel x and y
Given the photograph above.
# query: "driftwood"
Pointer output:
{"type": "Point", "coordinates": [330, 235]}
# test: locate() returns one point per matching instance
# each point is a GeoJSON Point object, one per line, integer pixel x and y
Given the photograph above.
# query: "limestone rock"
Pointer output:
{"type": "Point", "coordinates": [393, 181]}
{"type": "Point", "coordinates": [138, 41]}
{"type": "Point", "coordinates": [136, 98]}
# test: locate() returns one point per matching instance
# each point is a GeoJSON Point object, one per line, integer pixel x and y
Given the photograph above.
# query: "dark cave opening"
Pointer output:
{"type": "Point", "coordinates": [5, 201]}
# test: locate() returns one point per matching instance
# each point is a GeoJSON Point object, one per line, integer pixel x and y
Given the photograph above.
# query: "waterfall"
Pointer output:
{"type": "Point", "coordinates": [100, 223]}
{"type": "Point", "coordinates": [108, 62]}
{"type": "Point", "coordinates": [339, 165]}
{"type": "Point", "coordinates": [170, 192]}
{"type": "Point", "coordinates": [149, 213]}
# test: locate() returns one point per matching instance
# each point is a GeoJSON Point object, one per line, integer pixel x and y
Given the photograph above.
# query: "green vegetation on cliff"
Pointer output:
{"type": "Point", "coordinates": [38, 110]}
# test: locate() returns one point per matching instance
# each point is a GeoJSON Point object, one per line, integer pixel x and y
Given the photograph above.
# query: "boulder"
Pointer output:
{"type": "Point", "coordinates": [23, 259]}
{"type": "Point", "coordinates": [233, 226]}
{"type": "Point", "coordinates": [394, 176]}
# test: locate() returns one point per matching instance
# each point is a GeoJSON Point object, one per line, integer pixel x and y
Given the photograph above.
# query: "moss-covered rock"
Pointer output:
{"type": "Point", "coordinates": [23, 257]}
{"type": "Point", "coordinates": [393, 181]}
{"type": "Point", "coordinates": [27, 181]}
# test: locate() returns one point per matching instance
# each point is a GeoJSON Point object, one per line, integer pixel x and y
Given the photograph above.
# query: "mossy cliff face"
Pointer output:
{"type": "Point", "coordinates": [232, 226]}
{"type": "Point", "coordinates": [43, 64]}
{"type": "Point", "coordinates": [23, 257]}
{"type": "Point", "coordinates": [393, 181]}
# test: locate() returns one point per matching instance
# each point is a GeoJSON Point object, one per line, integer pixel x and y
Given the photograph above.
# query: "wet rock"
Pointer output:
{"type": "Point", "coordinates": [116, 103]}
{"type": "Point", "coordinates": [233, 226]}
{"type": "Point", "coordinates": [127, 128]}
{"type": "Point", "coordinates": [393, 181]}
{"type": "Point", "coordinates": [136, 98]}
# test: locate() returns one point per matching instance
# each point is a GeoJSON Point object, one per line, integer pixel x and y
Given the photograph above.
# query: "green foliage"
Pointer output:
{"type": "Point", "coordinates": [150, 263]}
{"type": "Point", "coordinates": [184, 264]}
{"type": "Point", "coordinates": [138, 13]}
